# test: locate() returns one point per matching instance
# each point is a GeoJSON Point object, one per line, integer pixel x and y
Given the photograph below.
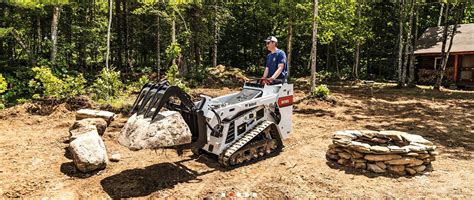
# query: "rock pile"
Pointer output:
{"type": "Point", "coordinates": [382, 151]}
{"type": "Point", "coordinates": [86, 145]}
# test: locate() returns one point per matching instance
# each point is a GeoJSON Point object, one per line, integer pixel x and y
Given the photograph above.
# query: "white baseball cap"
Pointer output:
{"type": "Point", "coordinates": [271, 38]}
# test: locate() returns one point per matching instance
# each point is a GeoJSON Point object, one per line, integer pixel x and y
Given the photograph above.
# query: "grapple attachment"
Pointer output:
{"type": "Point", "coordinates": [153, 97]}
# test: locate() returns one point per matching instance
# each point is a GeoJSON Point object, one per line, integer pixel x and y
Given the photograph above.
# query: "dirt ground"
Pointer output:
{"type": "Point", "coordinates": [34, 164]}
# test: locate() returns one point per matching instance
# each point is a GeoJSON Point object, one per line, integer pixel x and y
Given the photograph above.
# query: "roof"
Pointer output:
{"type": "Point", "coordinates": [431, 40]}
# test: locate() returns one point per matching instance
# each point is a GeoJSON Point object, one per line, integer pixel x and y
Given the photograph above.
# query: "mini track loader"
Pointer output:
{"type": "Point", "coordinates": [236, 128]}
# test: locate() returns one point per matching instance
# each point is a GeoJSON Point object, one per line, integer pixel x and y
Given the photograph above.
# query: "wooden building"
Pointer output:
{"type": "Point", "coordinates": [460, 66]}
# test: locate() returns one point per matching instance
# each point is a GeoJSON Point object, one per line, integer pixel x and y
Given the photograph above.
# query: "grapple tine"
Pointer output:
{"type": "Point", "coordinates": [140, 97]}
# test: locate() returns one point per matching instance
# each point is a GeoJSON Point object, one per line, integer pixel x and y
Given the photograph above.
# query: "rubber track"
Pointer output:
{"type": "Point", "coordinates": [224, 157]}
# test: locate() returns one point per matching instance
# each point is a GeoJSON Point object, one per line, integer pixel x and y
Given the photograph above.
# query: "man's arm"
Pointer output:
{"type": "Point", "coordinates": [277, 72]}
{"type": "Point", "coordinates": [265, 73]}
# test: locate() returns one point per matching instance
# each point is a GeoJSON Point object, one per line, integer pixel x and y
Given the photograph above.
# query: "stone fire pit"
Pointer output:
{"type": "Point", "coordinates": [382, 151]}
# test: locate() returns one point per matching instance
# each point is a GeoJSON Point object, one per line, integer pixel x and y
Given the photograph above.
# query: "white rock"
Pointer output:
{"type": "Point", "coordinates": [169, 129]}
{"type": "Point", "coordinates": [88, 113]}
{"type": "Point", "coordinates": [115, 157]}
{"type": "Point", "coordinates": [89, 129]}
{"type": "Point", "coordinates": [416, 139]}
{"type": "Point", "coordinates": [99, 123]}
{"type": "Point", "coordinates": [89, 153]}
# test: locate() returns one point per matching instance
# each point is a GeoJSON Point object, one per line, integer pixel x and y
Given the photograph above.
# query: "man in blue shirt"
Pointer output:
{"type": "Point", "coordinates": [276, 66]}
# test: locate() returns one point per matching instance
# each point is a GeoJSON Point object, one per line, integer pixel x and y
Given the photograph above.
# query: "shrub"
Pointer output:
{"type": "Point", "coordinates": [46, 84]}
{"type": "Point", "coordinates": [107, 85]}
{"type": "Point", "coordinates": [3, 84]}
{"type": "Point", "coordinates": [137, 85]}
{"type": "Point", "coordinates": [172, 77]}
{"type": "Point", "coordinates": [322, 91]}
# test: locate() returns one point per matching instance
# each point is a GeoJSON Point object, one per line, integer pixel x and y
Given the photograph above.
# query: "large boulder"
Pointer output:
{"type": "Point", "coordinates": [89, 153]}
{"type": "Point", "coordinates": [99, 123]}
{"type": "Point", "coordinates": [75, 133]}
{"type": "Point", "coordinates": [88, 113]}
{"type": "Point", "coordinates": [167, 130]}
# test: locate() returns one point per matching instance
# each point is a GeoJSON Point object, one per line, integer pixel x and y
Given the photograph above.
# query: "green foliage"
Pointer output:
{"type": "Point", "coordinates": [137, 85]}
{"type": "Point", "coordinates": [172, 75]}
{"type": "Point", "coordinates": [107, 85]}
{"type": "Point", "coordinates": [173, 51]}
{"type": "Point", "coordinates": [322, 91]}
{"type": "Point", "coordinates": [46, 84]}
{"type": "Point", "coordinates": [3, 84]}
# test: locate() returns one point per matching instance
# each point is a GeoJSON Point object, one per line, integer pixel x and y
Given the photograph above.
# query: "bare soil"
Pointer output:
{"type": "Point", "coordinates": [34, 163]}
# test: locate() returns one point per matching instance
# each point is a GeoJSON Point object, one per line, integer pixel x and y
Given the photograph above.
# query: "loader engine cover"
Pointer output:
{"type": "Point", "coordinates": [167, 130]}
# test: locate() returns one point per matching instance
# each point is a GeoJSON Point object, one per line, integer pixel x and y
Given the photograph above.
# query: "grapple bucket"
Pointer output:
{"type": "Point", "coordinates": [153, 97]}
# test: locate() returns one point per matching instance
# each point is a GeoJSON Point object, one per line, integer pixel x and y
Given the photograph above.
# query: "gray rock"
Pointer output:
{"type": "Point", "coordinates": [359, 146]}
{"type": "Point", "coordinates": [398, 169]}
{"type": "Point", "coordinates": [168, 130]}
{"type": "Point", "coordinates": [385, 157]}
{"type": "Point", "coordinates": [99, 123]}
{"type": "Point", "coordinates": [332, 156]}
{"type": "Point", "coordinates": [404, 161]}
{"type": "Point", "coordinates": [375, 168]}
{"type": "Point", "coordinates": [115, 157]}
{"type": "Point", "coordinates": [420, 168]}
{"type": "Point", "coordinates": [397, 149]}
{"type": "Point", "coordinates": [416, 139]}
{"type": "Point", "coordinates": [88, 113]}
{"type": "Point", "coordinates": [381, 165]}
{"type": "Point", "coordinates": [410, 171]}
{"type": "Point", "coordinates": [89, 129]}
{"type": "Point", "coordinates": [344, 155]}
{"type": "Point", "coordinates": [360, 165]}
{"type": "Point", "coordinates": [394, 135]}
{"type": "Point", "coordinates": [379, 149]}
{"type": "Point", "coordinates": [343, 135]}
{"type": "Point", "coordinates": [89, 153]}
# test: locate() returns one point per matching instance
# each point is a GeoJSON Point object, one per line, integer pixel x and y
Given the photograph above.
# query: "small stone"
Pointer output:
{"type": "Point", "coordinates": [89, 129]}
{"type": "Point", "coordinates": [343, 142]}
{"type": "Point", "coordinates": [379, 140]}
{"type": "Point", "coordinates": [354, 132]}
{"type": "Point", "coordinates": [382, 157]}
{"type": "Point", "coordinates": [333, 151]}
{"type": "Point", "coordinates": [358, 160]}
{"type": "Point", "coordinates": [434, 153]}
{"type": "Point", "coordinates": [99, 123]}
{"type": "Point", "coordinates": [344, 155]}
{"type": "Point", "coordinates": [332, 156]}
{"type": "Point", "coordinates": [420, 168]}
{"type": "Point", "coordinates": [359, 146]}
{"type": "Point", "coordinates": [115, 157]}
{"type": "Point", "coordinates": [398, 169]}
{"type": "Point", "coordinates": [88, 113]}
{"type": "Point", "coordinates": [397, 149]}
{"type": "Point", "coordinates": [410, 171]}
{"type": "Point", "coordinates": [415, 148]}
{"type": "Point", "coordinates": [343, 135]}
{"type": "Point", "coordinates": [375, 168]}
{"type": "Point", "coordinates": [379, 149]}
{"type": "Point", "coordinates": [356, 154]}
{"type": "Point", "coordinates": [417, 162]}
{"type": "Point", "coordinates": [416, 139]}
{"type": "Point", "coordinates": [423, 156]}
{"type": "Point", "coordinates": [360, 165]}
{"type": "Point", "coordinates": [393, 135]}
{"type": "Point", "coordinates": [412, 154]}
{"type": "Point", "coordinates": [403, 161]}
{"type": "Point", "coordinates": [370, 133]}
{"type": "Point", "coordinates": [432, 158]}
{"type": "Point", "coordinates": [381, 165]}
{"type": "Point", "coordinates": [426, 161]}
{"type": "Point", "coordinates": [343, 161]}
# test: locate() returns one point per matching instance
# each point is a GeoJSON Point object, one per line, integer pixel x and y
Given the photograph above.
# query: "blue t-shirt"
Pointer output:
{"type": "Point", "coordinates": [273, 60]}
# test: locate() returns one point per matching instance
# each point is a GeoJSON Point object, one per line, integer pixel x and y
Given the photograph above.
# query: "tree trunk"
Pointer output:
{"type": "Point", "coordinates": [444, 53]}
{"type": "Point", "coordinates": [118, 31]}
{"type": "Point", "coordinates": [54, 32]}
{"type": "Point", "coordinates": [290, 43]}
{"type": "Point", "coordinates": [314, 45]}
{"type": "Point", "coordinates": [216, 37]}
{"type": "Point", "coordinates": [440, 13]}
{"type": "Point", "coordinates": [408, 45]}
{"type": "Point", "coordinates": [411, 75]}
{"type": "Point", "coordinates": [357, 53]}
{"type": "Point", "coordinates": [126, 35]}
{"type": "Point", "coordinates": [400, 46]}
{"type": "Point", "coordinates": [158, 41]}
{"type": "Point", "coordinates": [108, 35]}
{"type": "Point", "coordinates": [337, 59]}
{"type": "Point", "coordinates": [173, 33]}
{"type": "Point", "coordinates": [24, 46]}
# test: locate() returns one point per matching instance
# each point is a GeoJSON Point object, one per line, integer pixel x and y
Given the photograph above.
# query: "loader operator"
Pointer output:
{"type": "Point", "coordinates": [276, 67]}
